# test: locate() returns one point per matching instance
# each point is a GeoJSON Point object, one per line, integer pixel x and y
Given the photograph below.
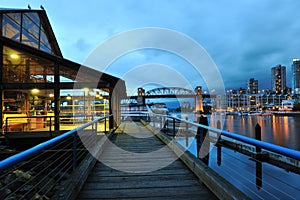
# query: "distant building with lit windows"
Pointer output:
{"type": "Point", "coordinates": [296, 76]}
{"type": "Point", "coordinates": [278, 81]}
{"type": "Point", "coordinates": [252, 86]}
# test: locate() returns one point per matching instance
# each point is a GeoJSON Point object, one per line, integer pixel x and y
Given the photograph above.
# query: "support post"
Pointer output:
{"type": "Point", "coordinates": [174, 131]}
{"type": "Point", "coordinates": [202, 147]}
{"type": "Point", "coordinates": [1, 84]}
{"type": "Point", "coordinates": [105, 125]}
{"type": "Point", "coordinates": [111, 117]}
{"type": "Point", "coordinates": [186, 133]}
{"type": "Point", "coordinates": [258, 136]}
{"type": "Point", "coordinates": [219, 146]}
{"type": "Point", "coordinates": [258, 159]}
{"type": "Point", "coordinates": [56, 98]}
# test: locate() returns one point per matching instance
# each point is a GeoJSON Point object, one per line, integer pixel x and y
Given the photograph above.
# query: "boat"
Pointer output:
{"type": "Point", "coordinates": [266, 113]}
{"type": "Point", "coordinates": [286, 113]}
{"type": "Point", "coordinates": [243, 113]}
{"type": "Point", "coordinates": [159, 108]}
{"type": "Point", "coordinates": [254, 113]}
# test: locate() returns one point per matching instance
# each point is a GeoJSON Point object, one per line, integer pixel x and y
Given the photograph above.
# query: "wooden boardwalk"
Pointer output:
{"type": "Point", "coordinates": [139, 166]}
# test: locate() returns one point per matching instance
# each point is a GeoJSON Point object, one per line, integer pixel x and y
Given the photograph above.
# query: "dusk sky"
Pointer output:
{"type": "Point", "coordinates": [244, 38]}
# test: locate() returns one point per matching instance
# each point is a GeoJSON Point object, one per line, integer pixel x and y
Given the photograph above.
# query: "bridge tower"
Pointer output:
{"type": "Point", "coordinates": [198, 100]}
{"type": "Point", "coordinates": [141, 96]}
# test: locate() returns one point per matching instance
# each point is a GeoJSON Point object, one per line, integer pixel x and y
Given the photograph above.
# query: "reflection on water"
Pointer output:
{"type": "Point", "coordinates": [258, 180]}
{"type": "Point", "coordinates": [280, 130]}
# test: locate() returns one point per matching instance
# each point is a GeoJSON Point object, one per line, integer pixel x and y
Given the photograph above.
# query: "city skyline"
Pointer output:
{"type": "Point", "coordinates": [245, 39]}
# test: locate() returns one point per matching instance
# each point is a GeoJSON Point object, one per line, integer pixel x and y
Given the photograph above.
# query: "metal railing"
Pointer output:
{"type": "Point", "coordinates": [232, 151]}
{"type": "Point", "coordinates": [36, 173]}
{"type": "Point", "coordinates": [41, 123]}
{"type": "Point", "coordinates": [260, 144]}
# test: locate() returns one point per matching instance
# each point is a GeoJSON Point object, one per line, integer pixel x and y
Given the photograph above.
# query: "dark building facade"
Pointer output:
{"type": "Point", "coordinates": [296, 76]}
{"type": "Point", "coordinates": [35, 79]}
{"type": "Point", "coordinates": [252, 86]}
{"type": "Point", "coordinates": [278, 79]}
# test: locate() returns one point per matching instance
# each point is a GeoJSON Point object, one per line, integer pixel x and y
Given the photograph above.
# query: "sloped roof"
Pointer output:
{"type": "Point", "coordinates": [45, 24]}
{"type": "Point", "coordinates": [89, 74]}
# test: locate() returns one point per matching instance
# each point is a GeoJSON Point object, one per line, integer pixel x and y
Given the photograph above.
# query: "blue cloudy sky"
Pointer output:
{"type": "Point", "coordinates": [244, 38]}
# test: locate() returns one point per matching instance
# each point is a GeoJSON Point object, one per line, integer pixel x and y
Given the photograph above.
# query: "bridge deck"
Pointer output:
{"type": "Point", "coordinates": [140, 170]}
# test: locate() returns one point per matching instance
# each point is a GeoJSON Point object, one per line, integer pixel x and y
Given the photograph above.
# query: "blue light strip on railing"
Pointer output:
{"type": "Point", "coordinates": [9, 162]}
{"type": "Point", "coordinates": [265, 145]}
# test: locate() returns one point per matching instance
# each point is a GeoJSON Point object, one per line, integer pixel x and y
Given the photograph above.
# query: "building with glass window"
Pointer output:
{"type": "Point", "coordinates": [296, 76]}
{"type": "Point", "coordinates": [278, 79]}
{"type": "Point", "coordinates": [252, 86]}
{"type": "Point", "coordinates": [40, 88]}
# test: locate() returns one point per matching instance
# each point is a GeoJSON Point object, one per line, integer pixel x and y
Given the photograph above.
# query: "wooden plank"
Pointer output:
{"type": "Point", "coordinates": [157, 193]}
{"type": "Point", "coordinates": [138, 154]}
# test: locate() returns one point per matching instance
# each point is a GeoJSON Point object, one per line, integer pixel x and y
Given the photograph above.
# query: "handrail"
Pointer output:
{"type": "Point", "coordinates": [265, 145]}
{"type": "Point", "coordinates": [9, 162]}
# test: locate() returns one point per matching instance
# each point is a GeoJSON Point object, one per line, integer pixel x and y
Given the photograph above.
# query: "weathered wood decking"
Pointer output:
{"type": "Point", "coordinates": [141, 170]}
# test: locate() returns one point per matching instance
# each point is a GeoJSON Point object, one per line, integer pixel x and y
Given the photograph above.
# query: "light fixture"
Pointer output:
{"type": "Point", "coordinates": [69, 97]}
{"type": "Point", "coordinates": [14, 56]}
{"type": "Point", "coordinates": [35, 91]}
{"type": "Point", "coordinates": [98, 95]}
{"type": "Point", "coordinates": [51, 95]}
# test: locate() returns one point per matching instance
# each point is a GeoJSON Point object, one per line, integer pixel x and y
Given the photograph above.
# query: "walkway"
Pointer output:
{"type": "Point", "coordinates": [141, 170]}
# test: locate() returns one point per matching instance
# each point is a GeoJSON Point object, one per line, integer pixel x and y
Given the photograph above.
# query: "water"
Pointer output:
{"type": "Point", "coordinates": [280, 130]}
{"type": "Point", "coordinates": [238, 169]}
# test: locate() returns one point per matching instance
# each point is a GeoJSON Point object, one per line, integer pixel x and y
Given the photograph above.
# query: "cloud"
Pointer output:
{"type": "Point", "coordinates": [244, 38]}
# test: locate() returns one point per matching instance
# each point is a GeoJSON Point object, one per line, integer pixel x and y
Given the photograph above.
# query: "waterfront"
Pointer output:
{"type": "Point", "coordinates": [279, 130]}
{"type": "Point", "coordinates": [258, 180]}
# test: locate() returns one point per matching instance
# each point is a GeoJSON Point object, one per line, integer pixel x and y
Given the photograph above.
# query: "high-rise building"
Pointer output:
{"type": "Point", "coordinates": [252, 86]}
{"type": "Point", "coordinates": [278, 82]}
{"type": "Point", "coordinates": [296, 76]}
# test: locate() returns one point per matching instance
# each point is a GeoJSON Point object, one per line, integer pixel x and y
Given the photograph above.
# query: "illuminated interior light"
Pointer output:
{"type": "Point", "coordinates": [35, 91]}
{"type": "Point", "coordinates": [14, 56]}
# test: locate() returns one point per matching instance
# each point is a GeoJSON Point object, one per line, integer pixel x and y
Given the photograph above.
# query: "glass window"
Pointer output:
{"type": "Point", "coordinates": [20, 67]}
{"type": "Point", "coordinates": [30, 26]}
{"type": "Point", "coordinates": [29, 39]}
{"type": "Point", "coordinates": [33, 33]}
{"type": "Point", "coordinates": [11, 26]}
{"type": "Point", "coordinates": [33, 17]}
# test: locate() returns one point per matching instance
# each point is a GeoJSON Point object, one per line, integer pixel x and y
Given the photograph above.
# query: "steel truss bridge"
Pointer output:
{"type": "Point", "coordinates": [171, 92]}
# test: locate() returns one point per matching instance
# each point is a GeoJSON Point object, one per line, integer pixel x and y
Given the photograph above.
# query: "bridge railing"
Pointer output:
{"type": "Point", "coordinates": [279, 161]}
{"type": "Point", "coordinates": [36, 173]}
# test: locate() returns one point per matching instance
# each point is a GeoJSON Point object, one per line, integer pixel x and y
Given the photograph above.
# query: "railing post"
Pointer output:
{"type": "Point", "coordinates": [258, 161]}
{"type": "Point", "coordinates": [96, 128]}
{"type": "Point", "coordinates": [105, 125]}
{"type": "Point", "coordinates": [186, 133]}
{"type": "Point", "coordinates": [174, 132]}
{"type": "Point", "coordinates": [219, 146]}
{"type": "Point", "coordinates": [50, 124]}
{"type": "Point", "coordinates": [74, 151]}
{"type": "Point", "coordinates": [202, 151]}
{"type": "Point", "coordinates": [258, 137]}
{"type": "Point", "coordinates": [93, 123]}
{"type": "Point", "coordinates": [6, 131]}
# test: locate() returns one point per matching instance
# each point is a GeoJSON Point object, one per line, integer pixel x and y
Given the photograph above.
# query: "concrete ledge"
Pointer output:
{"type": "Point", "coordinates": [217, 184]}
{"type": "Point", "coordinates": [70, 189]}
